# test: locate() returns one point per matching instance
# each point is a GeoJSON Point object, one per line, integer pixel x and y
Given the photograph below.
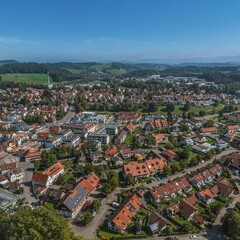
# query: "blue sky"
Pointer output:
{"type": "Point", "coordinates": [115, 30]}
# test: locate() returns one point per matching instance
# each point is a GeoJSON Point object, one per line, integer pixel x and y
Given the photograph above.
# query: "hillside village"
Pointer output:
{"type": "Point", "coordinates": [159, 161]}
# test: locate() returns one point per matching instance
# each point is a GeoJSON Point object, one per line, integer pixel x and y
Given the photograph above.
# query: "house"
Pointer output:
{"type": "Point", "coordinates": [4, 168]}
{"type": "Point", "coordinates": [73, 141]}
{"type": "Point", "coordinates": [186, 210]}
{"type": "Point", "coordinates": [53, 195]}
{"type": "Point", "coordinates": [157, 223]}
{"type": "Point", "coordinates": [110, 153]}
{"type": "Point", "coordinates": [155, 165]}
{"type": "Point", "coordinates": [130, 127]}
{"type": "Point", "coordinates": [42, 180]}
{"type": "Point", "coordinates": [206, 196]}
{"type": "Point", "coordinates": [126, 153]}
{"type": "Point", "coordinates": [66, 134]}
{"type": "Point", "coordinates": [197, 180]}
{"type": "Point", "coordinates": [159, 137]}
{"type": "Point", "coordinates": [216, 170]}
{"type": "Point", "coordinates": [170, 190]}
{"type": "Point", "coordinates": [169, 154]}
{"type": "Point", "coordinates": [200, 138]}
{"type": "Point", "coordinates": [103, 138]}
{"type": "Point", "coordinates": [209, 130]}
{"type": "Point", "coordinates": [125, 117]}
{"type": "Point", "coordinates": [55, 129]}
{"type": "Point", "coordinates": [54, 171]}
{"type": "Point", "coordinates": [220, 144]}
{"type": "Point", "coordinates": [188, 142]}
{"type": "Point", "coordinates": [32, 154]}
{"type": "Point", "coordinates": [122, 218]}
{"type": "Point", "coordinates": [207, 176]}
{"type": "Point", "coordinates": [112, 129]}
{"type": "Point", "coordinates": [42, 136]}
{"type": "Point", "coordinates": [3, 179]}
{"type": "Point", "coordinates": [21, 126]}
{"type": "Point", "coordinates": [222, 188]}
{"type": "Point", "coordinates": [53, 142]}
{"type": "Point", "coordinates": [72, 202]}
{"type": "Point", "coordinates": [232, 161]}
{"type": "Point", "coordinates": [120, 138]}
{"type": "Point", "coordinates": [15, 175]}
{"type": "Point", "coordinates": [154, 154]}
{"type": "Point", "coordinates": [136, 169]}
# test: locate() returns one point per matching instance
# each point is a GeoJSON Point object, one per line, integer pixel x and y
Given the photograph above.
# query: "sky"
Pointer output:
{"type": "Point", "coordinates": [118, 30]}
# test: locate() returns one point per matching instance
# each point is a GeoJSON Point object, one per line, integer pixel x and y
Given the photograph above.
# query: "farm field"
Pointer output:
{"type": "Point", "coordinates": [32, 78]}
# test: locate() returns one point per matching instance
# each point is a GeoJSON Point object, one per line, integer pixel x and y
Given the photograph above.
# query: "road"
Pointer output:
{"type": "Point", "coordinates": [90, 231]}
{"type": "Point", "coordinates": [28, 169]}
{"type": "Point", "coordinates": [216, 231]}
{"type": "Point", "coordinates": [67, 118]}
{"type": "Point", "coordinates": [181, 174]}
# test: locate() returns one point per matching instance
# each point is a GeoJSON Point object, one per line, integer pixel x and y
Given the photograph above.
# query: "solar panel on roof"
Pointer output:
{"type": "Point", "coordinates": [154, 226]}
{"type": "Point", "coordinates": [71, 203]}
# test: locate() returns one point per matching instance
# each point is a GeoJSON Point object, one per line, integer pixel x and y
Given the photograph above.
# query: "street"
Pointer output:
{"type": "Point", "coordinates": [89, 231]}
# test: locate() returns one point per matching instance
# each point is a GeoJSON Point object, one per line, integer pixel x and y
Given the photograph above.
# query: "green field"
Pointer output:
{"type": "Point", "coordinates": [32, 78]}
{"type": "Point", "coordinates": [75, 71]}
{"type": "Point", "coordinates": [193, 109]}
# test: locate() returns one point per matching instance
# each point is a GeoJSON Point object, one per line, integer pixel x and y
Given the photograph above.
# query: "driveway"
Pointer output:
{"type": "Point", "coordinates": [89, 231]}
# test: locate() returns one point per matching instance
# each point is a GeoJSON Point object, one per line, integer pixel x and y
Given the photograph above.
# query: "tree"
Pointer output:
{"type": "Point", "coordinates": [150, 141]}
{"type": "Point", "coordinates": [21, 190]}
{"type": "Point", "coordinates": [231, 224]}
{"type": "Point", "coordinates": [170, 107]}
{"type": "Point", "coordinates": [201, 113]}
{"type": "Point", "coordinates": [167, 170]}
{"type": "Point", "coordinates": [169, 145]}
{"type": "Point", "coordinates": [39, 223]}
{"type": "Point", "coordinates": [96, 204]}
{"type": "Point", "coordinates": [152, 107]}
{"type": "Point", "coordinates": [130, 180]}
{"type": "Point", "coordinates": [187, 107]}
{"type": "Point", "coordinates": [87, 218]}
{"type": "Point", "coordinates": [209, 123]}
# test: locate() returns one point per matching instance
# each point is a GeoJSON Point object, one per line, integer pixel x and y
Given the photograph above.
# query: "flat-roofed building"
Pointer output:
{"type": "Point", "coordinates": [7, 199]}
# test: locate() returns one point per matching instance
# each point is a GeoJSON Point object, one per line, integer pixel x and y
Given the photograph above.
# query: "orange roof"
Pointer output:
{"type": "Point", "coordinates": [123, 217]}
{"type": "Point", "coordinates": [155, 164]}
{"type": "Point", "coordinates": [207, 194]}
{"type": "Point", "coordinates": [149, 166]}
{"type": "Point", "coordinates": [159, 137]}
{"type": "Point", "coordinates": [209, 129]}
{"type": "Point", "coordinates": [112, 152]}
{"type": "Point", "coordinates": [32, 153]}
{"type": "Point", "coordinates": [54, 169]}
{"type": "Point", "coordinates": [42, 134]}
{"type": "Point", "coordinates": [136, 169]}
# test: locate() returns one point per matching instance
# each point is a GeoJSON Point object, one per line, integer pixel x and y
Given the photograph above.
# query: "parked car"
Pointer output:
{"type": "Point", "coordinates": [193, 237]}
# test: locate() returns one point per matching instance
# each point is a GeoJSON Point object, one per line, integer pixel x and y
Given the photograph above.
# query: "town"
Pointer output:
{"type": "Point", "coordinates": [138, 158]}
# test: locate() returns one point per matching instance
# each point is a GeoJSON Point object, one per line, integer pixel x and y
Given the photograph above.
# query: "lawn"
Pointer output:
{"type": "Point", "coordinates": [32, 78]}
{"type": "Point", "coordinates": [118, 71]}
{"type": "Point", "coordinates": [75, 71]}
{"type": "Point", "coordinates": [193, 109]}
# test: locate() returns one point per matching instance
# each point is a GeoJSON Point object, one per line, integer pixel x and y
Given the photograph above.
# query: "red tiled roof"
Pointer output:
{"type": "Point", "coordinates": [122, 218]}
{"type": "Point", "coordinates": [54, 169]}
